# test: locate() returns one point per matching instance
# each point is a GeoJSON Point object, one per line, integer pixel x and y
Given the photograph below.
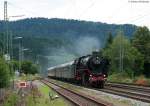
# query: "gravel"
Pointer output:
{"type": "Point", "coordinates": [115, 99]}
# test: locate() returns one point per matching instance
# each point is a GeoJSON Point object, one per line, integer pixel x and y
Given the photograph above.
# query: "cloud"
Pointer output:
{"type": "Point", "coordinates": [110, 11]}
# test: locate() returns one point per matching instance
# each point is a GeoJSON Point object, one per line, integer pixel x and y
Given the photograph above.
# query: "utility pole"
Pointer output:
{"type": "Point", "coordinates": [6, 41]}
{"type": "Point", "coordinates": [11, 36]}
{"type": "Point", "coordinates": [20, 53]}
{"type": "Point", "coordinates": [5, 10]}
{"type": "Point", "coordinates": [6, 28]}
{"type": "Point", "coordinates": [11, 45]}
{"type": "Point", "coordinates": [121, 53]}
{"type": "Point", "coordinates": [5, 19]}
{"type": "Point", "coordinates": [19, 38]}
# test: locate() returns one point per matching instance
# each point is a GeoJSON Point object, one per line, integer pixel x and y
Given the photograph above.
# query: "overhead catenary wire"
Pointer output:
{"type": "Point", "coordinates": [117, 10]}
{"type": "Point", "coordinates": [71, 6]}
{"type": "Point", "coordinates": [135, 19]}
{"type": "Point", "coordinates": [21, 8]}
{"type": "Point", "coordinates": [90, 6]}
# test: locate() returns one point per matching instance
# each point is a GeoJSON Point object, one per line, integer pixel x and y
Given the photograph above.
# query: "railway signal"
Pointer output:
{"type": "Point", "coordinates": [22, 84]}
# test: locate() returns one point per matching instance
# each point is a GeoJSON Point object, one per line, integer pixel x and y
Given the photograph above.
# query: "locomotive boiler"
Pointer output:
{"type": "Point", "coordinates": [89, 70]}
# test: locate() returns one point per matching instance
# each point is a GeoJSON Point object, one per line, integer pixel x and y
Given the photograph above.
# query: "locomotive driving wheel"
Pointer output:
{"type": "Point", "coordinates": [85, 80]}
{"type": "Point", "coordinates": [101, 84]}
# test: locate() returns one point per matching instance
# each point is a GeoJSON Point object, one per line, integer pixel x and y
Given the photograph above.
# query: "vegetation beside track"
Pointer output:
{"type": "Point", "coordinates": [44, 99]}
{"type": "Point", "coordinates": [129, 58]}
{"type": "Point", "coordinates": [67, 85]}
{"type": "Point", "coordinates": [124, 78]}
{"type": "Point", "coordinates": [30, 77]}
{"type": "Point", "coordinates": [11, 100]}
{"type": "Point", "coordinates": [38, 96]}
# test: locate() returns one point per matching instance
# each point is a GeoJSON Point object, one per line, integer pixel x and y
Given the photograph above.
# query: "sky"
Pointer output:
{"type": "Point", "coordinates": [108, 11]}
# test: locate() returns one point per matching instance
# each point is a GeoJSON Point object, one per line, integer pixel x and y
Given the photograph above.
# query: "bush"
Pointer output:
{"type": "Point", "coordinates": [4, 74]}
{"type": "Point", "coordinates": [142, 80]}
{"type": "Point", "coordinates": [12, 100]}
{"type": "Point", "coordinates": [126, 78]}
{"type": "Point", "coordinates": [28, 67]}
{"type": "Point", "coordinates": [120, 77]}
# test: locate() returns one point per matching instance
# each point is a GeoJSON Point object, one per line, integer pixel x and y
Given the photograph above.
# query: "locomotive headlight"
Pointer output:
{"type": "Point", "coordinates": [104, 75]}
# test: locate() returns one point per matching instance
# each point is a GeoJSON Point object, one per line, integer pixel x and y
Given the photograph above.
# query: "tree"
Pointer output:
{"type": "Point", "coordinates": [29, 68]}
{"type": "Point", "coordinates": [132, 59]}
{"type": "Point", "coordinates": [15, 64]}
{"type": "Point", "coordinates": [4, 74]}
{"type": "Point", "coordinates": [34, 69]}
{"type": "Point", "coordinates": [141, 40]}
{"type": "Point", "coordinates": [109, 40]}
{"type": "Point", "coordinates": [1, 43]}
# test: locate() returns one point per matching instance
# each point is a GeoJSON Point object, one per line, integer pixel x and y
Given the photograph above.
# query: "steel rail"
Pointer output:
{"type": "Point", "coordinates": [75, 97]}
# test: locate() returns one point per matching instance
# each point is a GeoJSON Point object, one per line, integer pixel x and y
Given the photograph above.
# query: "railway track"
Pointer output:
{"type": "Point", "coordinates": [140, 93]}
{"type": "Point", "coordinates": [131, 91]}
{"type": "Point", "coordinates": [123, 83]}
{"type": "Point", "coordinates": [75, 97]}
{"type": "Point", "coordinates": [129, 86]}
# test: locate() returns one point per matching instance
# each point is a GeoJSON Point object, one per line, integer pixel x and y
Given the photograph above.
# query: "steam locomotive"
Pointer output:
{"type": "Point", "coordinates": [90, 70]}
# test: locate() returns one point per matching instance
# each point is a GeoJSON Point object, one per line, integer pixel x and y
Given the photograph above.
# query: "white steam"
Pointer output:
{"type": "Point", "coordinates": [85, 45]}
{"type": "Point", "coordinates": [81, 46]}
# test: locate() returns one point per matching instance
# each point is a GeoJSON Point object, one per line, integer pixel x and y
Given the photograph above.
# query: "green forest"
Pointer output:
{"type": "Point", "coordinates": [135, 55]}
{"type": "Point", "coordinates": [59, 36]}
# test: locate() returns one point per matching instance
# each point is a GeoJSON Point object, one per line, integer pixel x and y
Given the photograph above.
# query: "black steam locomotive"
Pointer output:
{"type": "Point", "coordinates": [87, 70]}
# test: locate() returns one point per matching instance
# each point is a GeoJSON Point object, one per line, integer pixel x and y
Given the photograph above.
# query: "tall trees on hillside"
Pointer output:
{"type": "Point", "coordinates": [109, 40]}
{"type": "Point", "coordinates": [141, 40]}
{"type": "Point", "coordinates": [131, 57]}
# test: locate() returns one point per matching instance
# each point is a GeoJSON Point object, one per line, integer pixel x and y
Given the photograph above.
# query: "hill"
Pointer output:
{"type": "Point", "coordinates": [43, 27]}
{"type": "Point", "coordinates": [62, 39]}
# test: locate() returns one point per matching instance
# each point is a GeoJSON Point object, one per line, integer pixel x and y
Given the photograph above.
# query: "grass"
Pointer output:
{"type": "Point", "coordinates": [67, 85]}
{"type": "Point", "coordinates": [124, 78]}
{"type": "Point", "coordinates": [28, 77]}
{"type": "Point", "coordinates": [11, 100]}
{"type": "Point", "coordinates": [120, 77]}
{"type": "Point", "coordinates": [44, 100]}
